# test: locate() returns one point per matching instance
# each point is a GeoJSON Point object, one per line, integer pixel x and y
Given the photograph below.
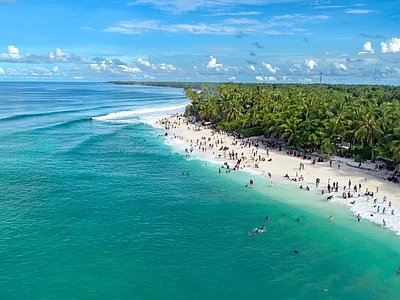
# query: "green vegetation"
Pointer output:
{"type": "Point", "coordinates": [317, 117]}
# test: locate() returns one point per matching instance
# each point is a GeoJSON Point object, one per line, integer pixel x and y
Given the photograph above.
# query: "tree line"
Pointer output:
{"type": "Point", "coordinates": [321, 118]}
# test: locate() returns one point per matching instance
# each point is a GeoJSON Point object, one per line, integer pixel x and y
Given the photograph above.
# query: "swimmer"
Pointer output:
{"type": "Point", "coordinates": [330, 218]}
{"type": "Point", "coordinates": [266, 218]}
{"type": "Point", "coordinates": [358, 217]}
{"type": "Point", "coordinates": [283, 213]}
{"type": "Point", "coordinates": [298, 219]}
{"type": "Point", "coordinates": [398, 271]}
{"type": "Point", "coordinates": [297, 251]}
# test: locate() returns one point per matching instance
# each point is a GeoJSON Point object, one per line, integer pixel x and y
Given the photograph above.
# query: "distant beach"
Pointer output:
{"type": "Point", "coordinates": [364, 188]}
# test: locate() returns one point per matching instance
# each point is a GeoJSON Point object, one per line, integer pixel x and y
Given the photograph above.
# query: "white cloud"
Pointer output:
{"type": "Point", "coordinates": [340, 66]}
{"type": "Point", "coordinates": [305, 80]}
{"type": "Point", "coordinates": [259, 78]}
{"type": "Point", "coordinates": [167, 67]}
{"type": "Point", "coordinates": [271, 68]}
{"type": "Point", "coordinates": [266, 78]}
{"type": "Point", "coordinates": [1, 70]}
{"type": "Point", "coordinates": [238, 27]}
{"type": "Point", "coordinates": [143, 62]}
{"type": "Point", "coordinates": [359, 11]}
{"type": "Point", "coordinates": [233, 78]}
{"type": "Point", "coordinates": [54, 69]}
{"type": "Point", "coordinates": [251, 67]}
{"type": "Point", "coordinates": [392, 45]}
{"type": "Point", "coordinates": [367, 47]}
{"type": "Point", "coordinates": [11, 55]}
{"type": "Point", "coordinates": [128, 69]}
{"type": "Point", "coordinates": [301, 17]}
{"type": "Point", "coordinates": [58, 55]}
{"type": "Point", "coordinates": [212, 64]}
{"type": "Point", "coordinates": [310, 64]}
{"type": "Point", "coordinates": [179, 6]}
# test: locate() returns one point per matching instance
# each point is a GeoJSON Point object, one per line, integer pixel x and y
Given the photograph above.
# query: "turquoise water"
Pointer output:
{"type": "Point", "coordinates": [93, 205]}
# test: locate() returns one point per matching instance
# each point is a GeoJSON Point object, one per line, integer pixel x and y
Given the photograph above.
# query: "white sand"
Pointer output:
{"type": "Point", "coordinates": [190, 136]}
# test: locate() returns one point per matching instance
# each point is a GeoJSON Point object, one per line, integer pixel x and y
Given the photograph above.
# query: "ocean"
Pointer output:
{"type": "Point", "coordinates": [96, 204]}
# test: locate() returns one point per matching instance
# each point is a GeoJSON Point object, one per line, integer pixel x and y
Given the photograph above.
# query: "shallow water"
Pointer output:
{"type": "Point", "coordinates": [94, 205]}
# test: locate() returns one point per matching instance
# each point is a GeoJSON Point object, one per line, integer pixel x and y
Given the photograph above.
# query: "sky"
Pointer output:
{"type": "Point", "coordinates": [270, 41]}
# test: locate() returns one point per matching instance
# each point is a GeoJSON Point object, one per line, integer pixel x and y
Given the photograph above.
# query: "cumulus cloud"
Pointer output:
{"type": "Point", "coordinates": [391, 45]}
{"type": "Point", "coordinates": [212, 64]}
{"type": "Point", "coordinates": [271, 68]}
{"type": "Point", "coordinates": [11, 55]}
{"type": "Point", "coordinates": [266, 78]}
{"type": "Point", "coordinates": [367, 47]}
{"type": "Point", "coordinates": [1, 70]}
{"type": "Point", "coordinates": [310, 64]}
{"type": "Point", "coordinates": [58, 56]}
{"type": "Point", "coordinates": [339, 66]}
{"type": "Point", "coordinates": [167, 67]}
{"type": "Point", "coordinates": [143, 62]}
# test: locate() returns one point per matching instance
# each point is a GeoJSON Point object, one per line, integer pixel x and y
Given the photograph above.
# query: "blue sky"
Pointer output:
{"type": "Point", "coordinates": [271, 41]}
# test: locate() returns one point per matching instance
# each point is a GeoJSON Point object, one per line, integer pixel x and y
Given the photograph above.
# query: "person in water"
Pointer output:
{"type": "Point", "coordinates": [330, 218]}
{"type": "Point", "coordinates": [398, 271]}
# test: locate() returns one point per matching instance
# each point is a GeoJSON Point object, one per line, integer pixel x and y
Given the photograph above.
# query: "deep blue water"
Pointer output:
{"type": "Point", "coordinates": [93, 205]}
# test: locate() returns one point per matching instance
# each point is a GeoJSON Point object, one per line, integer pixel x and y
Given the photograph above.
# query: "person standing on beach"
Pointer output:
{"type": "Point", "coordinates": [358, 217]}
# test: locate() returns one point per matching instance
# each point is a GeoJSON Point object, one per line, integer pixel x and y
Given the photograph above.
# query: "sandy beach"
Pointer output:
{"type": "Point", "coordinates": [364, 189]}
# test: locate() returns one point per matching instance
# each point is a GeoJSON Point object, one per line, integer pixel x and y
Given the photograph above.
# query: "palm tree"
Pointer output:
{"type": "Point", "coordinates": [369, 131]}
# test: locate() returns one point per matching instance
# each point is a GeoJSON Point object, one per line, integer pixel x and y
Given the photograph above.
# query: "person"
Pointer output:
{"type": "Point", "coordinates": [258, 230]}
{"type": "Point", "coordinates": [298, 219]}
{"type": "Point", "coordinates": [297, 251]}
{"type": "Point", "coordinates": [266, 218]}
{"type": "Point", "coordinates": [330, 218]}
{"type": "Point", "coordinates": [283, 213]}
{"type": "Point", "coordinates": [384, 223]}
{"type": "Point", "coordinates": [398, 271]}
{"type": "Point", "coordinates": [358, 217]}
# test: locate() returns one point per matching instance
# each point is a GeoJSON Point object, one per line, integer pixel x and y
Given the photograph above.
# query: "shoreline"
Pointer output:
{"type": "Point", "coordinates": [381, 206]}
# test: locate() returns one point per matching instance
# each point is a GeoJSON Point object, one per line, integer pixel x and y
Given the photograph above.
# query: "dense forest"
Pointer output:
{"type": "Point", "coordinates": [359, 120]}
